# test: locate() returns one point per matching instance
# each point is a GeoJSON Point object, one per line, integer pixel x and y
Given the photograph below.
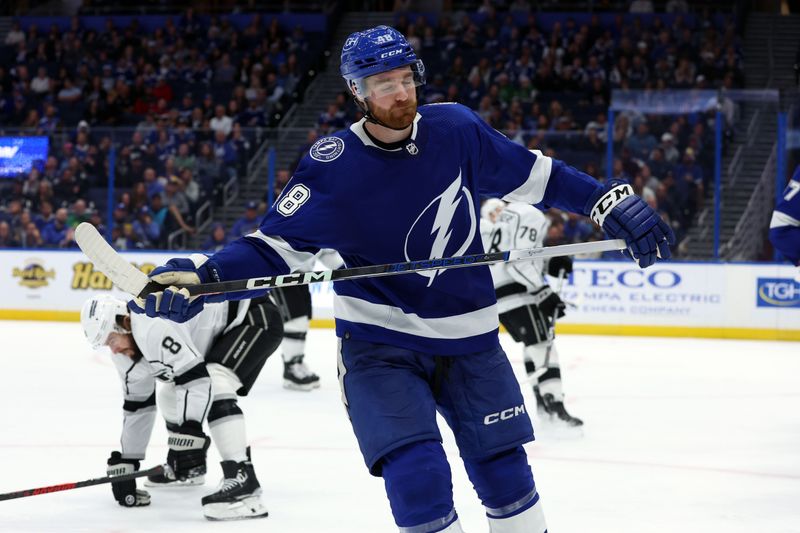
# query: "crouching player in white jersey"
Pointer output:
{"type": "Point", "coordinates": [294, 304]}
{"type": "Point", "coordinates": [784, 228]}
{"type": "Point", "coordinates": [404, 184]}
{"type": "Point", "coordinates": [527, 305]}
{"type": "Point", "coordinates": [202, 364]}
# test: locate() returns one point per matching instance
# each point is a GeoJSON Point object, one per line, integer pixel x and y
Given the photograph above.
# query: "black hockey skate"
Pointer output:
{"type": "Point", "coordinates": [297, 376]}
{"type": "Point", "coordinates": [549, 407]}
{"type": "Point", "coordinates": [238, 495]}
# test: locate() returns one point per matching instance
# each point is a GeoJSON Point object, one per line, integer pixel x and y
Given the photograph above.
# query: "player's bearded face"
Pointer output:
{"type": "Point", "coordinates": [122, 343]}
{"type": "Point", "coordinates": [392, 97]}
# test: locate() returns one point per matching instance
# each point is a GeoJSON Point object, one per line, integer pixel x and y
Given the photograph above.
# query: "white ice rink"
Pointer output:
{"type": "Point", "coordinates": [681, 436]}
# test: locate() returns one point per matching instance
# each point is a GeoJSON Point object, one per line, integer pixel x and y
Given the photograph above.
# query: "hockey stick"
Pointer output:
{"type": "Point", "coordinates": [156, 470]}
{"type": "Point", "coordinates": [131, 280]}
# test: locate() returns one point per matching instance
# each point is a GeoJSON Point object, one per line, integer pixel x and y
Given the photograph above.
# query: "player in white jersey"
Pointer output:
{"type": "Point", "coordinates": [202, 365]}
{"type": "Point", "coordinates": [527, 305]}
{"type": "Point", "coordinates": [294, 304]}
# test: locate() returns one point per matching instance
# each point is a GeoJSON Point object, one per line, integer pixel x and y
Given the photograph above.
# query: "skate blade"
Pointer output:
{"type": "Point", "coordinates": [291, 385]}
{"type": "Point", "coordinates": [191, 482]}
{"type": "Point", "coordinates": [242, 510]}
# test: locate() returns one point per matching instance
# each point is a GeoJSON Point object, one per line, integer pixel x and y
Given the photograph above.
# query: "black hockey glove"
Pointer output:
{"type": "Point", "coordinates": [549, 303]}
{"type": "Point", "coordinates": [557, 264]}
{"type": "Point", "coordinates": [187, 450]}
{"type": "Point", "coordinates": [125, 492]}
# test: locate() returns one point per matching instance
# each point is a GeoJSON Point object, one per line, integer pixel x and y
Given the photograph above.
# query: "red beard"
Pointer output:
{"type": "Point", "coordinates": [398, 117]}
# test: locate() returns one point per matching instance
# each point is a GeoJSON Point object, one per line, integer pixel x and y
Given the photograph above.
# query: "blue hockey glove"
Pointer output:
{"type": "Point", "coordinates": [624, 215]}
{"type": "Point", "coordinates": [173, 303]}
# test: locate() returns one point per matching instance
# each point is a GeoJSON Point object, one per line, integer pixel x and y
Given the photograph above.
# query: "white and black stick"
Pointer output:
{"type": "Point", "coordinates": [156, 470]}
{"type": "Point", "coordinates": [131, 280]}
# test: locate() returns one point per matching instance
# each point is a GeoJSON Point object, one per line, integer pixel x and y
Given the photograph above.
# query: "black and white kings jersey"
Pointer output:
{"type": "Point", "coordinates": [174, 354]}
{"type": "Point", "coordinates": [519, 225]}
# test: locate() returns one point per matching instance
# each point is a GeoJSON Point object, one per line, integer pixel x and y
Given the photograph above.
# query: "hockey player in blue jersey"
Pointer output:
{"type": "Point", "coordinates": [405, 184]}
{"type": "Point", "coordinates": [784, 228]}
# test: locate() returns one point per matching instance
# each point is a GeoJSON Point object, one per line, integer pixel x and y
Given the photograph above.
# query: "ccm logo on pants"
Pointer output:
{"type": "Point", "coordinates": [505, 414]}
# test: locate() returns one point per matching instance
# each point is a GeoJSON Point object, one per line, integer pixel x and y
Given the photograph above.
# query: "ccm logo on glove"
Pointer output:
{"type": "Point", "coordinates": [607, 202]}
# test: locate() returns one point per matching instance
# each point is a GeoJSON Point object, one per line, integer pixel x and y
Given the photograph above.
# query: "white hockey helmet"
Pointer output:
{"type": "Point", "coordinates": [99, 318]}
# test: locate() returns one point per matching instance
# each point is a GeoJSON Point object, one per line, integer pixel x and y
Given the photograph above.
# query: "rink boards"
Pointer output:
{"type": "Point", "coordinates": [726, 300]}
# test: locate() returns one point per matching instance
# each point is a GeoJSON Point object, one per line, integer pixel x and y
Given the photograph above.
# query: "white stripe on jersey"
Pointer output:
{"type": "Point", "coordinates": [390, 317]}
{"type": "Point", "coordinates": [532, 190]}
{"type": "Point", "coordinates": [782, 219]}
{"type": "Point", "coordinates": [295, 259]}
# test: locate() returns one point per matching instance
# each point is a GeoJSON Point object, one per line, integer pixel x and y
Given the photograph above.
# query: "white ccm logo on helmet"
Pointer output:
{"type": "Point", "coordinates": [391, 53]}
{"type": "Point", "coordinates": [505, 414]}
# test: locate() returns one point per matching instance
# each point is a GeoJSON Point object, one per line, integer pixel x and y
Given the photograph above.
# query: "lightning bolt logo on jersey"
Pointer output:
{"type": "Point", "coordinates": [443, 209]}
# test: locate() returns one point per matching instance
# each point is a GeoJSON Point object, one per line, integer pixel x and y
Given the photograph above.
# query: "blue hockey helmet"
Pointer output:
{"type": "Point", "coordinates": [379, 49]}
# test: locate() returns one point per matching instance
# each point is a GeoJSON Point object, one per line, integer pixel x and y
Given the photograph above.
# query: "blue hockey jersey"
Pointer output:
{"type": "Point", "coordinates": [418, 201]}
{"type": "Point", "coordinates": [784, 228]}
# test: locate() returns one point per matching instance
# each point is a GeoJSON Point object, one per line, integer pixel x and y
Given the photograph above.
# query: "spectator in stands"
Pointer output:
{"type": "Point", "coordinates": [57, 234]}
{"type": "Point", "coordinates": [7, 239]}
{"type": "Point", "coordinates": [641, 143]}
{"type": "Point", "coordinates": [32, 237]}
{"type": "Point", "coordinates": [45, 214]}
{"type": "Point", "coordinates": [217, 239]}
{"type": "Point", "coordinates": [221, 123]}
{"type": "Point", "coordinates": [148, 231]}
{"type": "Point", "coordinates": [15, 35]}
{"type": "Point", "coordinates": [190, 187]}
{"type": "Point", "coordinates": [184, 158]}
{"type": "Point", "coordinates": [178, 207]}
{"type": "Point", "coordinates": [248, 223]}
{"type": "Point", "coordinates": [12, 212]}
{"type": "Point", "coordinates": [668, 149]}
{"type": "Point", "coordinates": [41, 84]}
{"type": "Point", "coordinates": [332, 119]}
{"type": "Point", "coordinates": [225, 153]}
{"type": "Point", "coordinates": [78, 213]}
{"type": "Point", "coordinates": [677, 6]}
{"type": "Point", "coordinates": [69, 93]}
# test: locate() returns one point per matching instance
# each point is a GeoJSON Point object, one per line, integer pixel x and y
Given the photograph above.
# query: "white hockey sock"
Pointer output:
{"type": "Point", "coordinates": [538, 353]}
{"type": "Point", "coordinates": [455, 527]}
{"type": "Point", "coordinates": [230, 437]}
{"type": "Point", "coordinates": [291, 348]}
{"type": "Point", "coordinates": [530, 520]}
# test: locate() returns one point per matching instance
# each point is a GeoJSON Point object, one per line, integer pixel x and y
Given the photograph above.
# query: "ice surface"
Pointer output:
{"type": "Point", "coordinates": [680, 436]}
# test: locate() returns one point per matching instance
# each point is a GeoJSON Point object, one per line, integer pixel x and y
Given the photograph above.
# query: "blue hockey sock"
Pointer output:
{"type": "Point", "coordinates": [504, 482]}
{"type": "Point", "coordinates": [419, 486]}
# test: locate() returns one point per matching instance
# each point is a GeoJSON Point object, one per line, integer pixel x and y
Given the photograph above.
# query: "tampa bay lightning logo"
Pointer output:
{"type": "Point", "coordinates": [440, 220]}
{"type": "Point", "coordinates": [327, 149]}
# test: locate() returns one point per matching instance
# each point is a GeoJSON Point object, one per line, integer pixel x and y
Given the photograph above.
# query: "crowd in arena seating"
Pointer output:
{"type": "Point", "coordinates": [186, 102]}
{"type": "Point", "coordinates": [546, 85]}
{"type": "Point", "coordinates": [549, 89]}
